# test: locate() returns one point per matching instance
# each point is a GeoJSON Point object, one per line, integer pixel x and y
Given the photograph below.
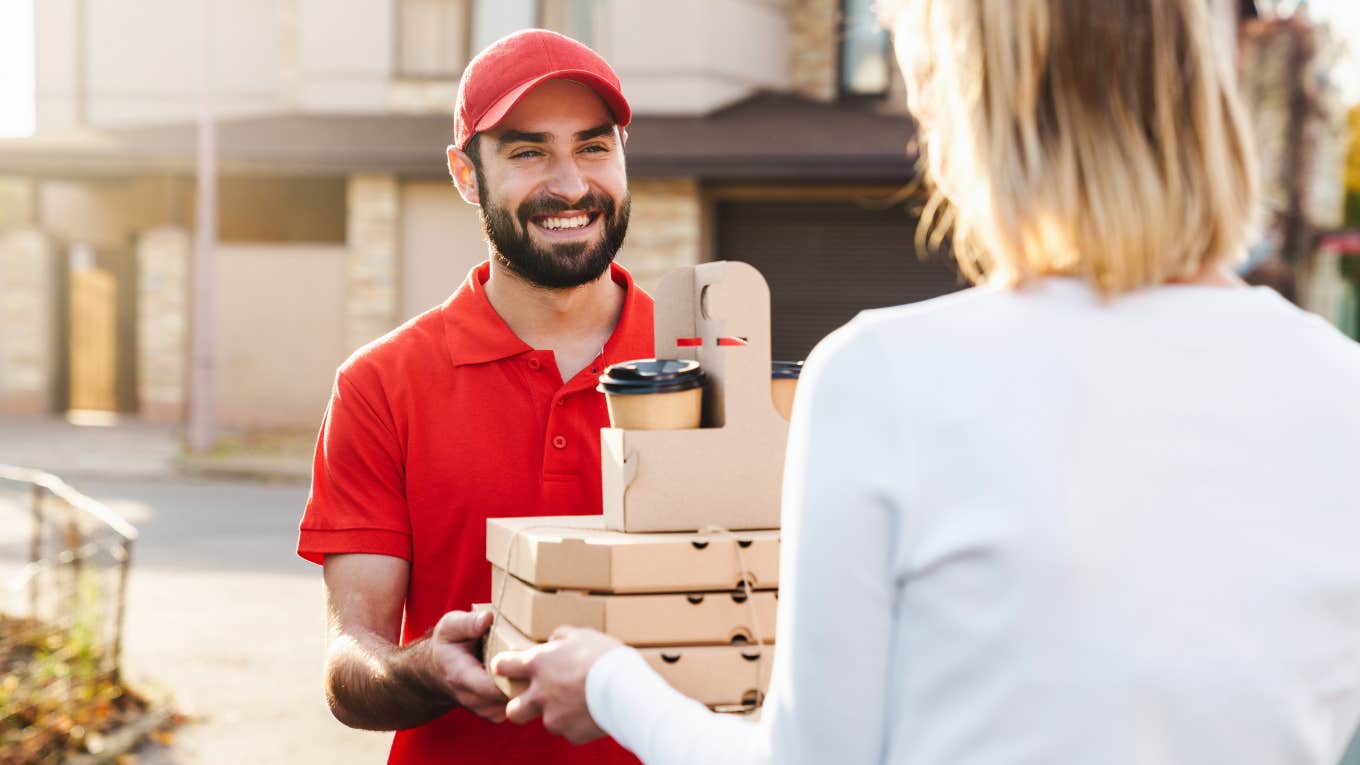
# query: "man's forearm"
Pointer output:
{"type": "Point", "coordinates": [374, 685]}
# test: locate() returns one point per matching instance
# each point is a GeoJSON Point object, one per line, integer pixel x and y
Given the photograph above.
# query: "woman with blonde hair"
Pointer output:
{"type": "Point", "coordinates": [1102, 507]}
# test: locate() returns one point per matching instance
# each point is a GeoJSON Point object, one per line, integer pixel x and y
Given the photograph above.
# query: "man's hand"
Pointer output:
{"type": "Point", "coordinates": [557, 673]}
{"type": "Point", "coordinates": [374, 684]}
{"type": "Point", "coordinates": [453, 650]}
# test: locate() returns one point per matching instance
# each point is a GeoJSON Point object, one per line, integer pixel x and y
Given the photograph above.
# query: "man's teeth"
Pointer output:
{"type": "Point", "coordinates": [572, 221]}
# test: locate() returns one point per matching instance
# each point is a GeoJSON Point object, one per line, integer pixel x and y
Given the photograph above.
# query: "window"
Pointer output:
{"type": "Point", "coordinates": [495, 19]}
{"type": "Point", "coordinates": [432, 37]}
{"type": "Point", "coordinates": [436, 38]}
{"type": "Point", "coordinates": [577, 19]}
{"type": "Point", "coordinates": [866, 51]}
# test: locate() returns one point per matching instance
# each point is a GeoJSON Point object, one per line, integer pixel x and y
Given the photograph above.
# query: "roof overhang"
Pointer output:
{"type": "Point", "coordinates": [769, 137]}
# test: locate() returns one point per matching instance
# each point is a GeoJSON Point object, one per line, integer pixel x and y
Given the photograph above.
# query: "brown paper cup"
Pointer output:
{"type": "Point", "coordinates": [782, 390]}
{"type": "Point", "coordinates": [654, 394]}
{"type": "Point", "coordinates": [783, 384]}
{"type": "Point", "coordinates": [656, 411]}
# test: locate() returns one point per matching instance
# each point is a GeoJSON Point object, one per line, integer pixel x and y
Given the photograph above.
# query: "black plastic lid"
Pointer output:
{"type": "Point", "coordinates": [651, 376]}
{"type": "Point", "coordinates": [785, 370]}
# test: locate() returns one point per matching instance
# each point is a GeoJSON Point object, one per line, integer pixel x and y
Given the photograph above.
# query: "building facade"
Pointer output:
{"type": "Point", "coordinates": [768, 131]}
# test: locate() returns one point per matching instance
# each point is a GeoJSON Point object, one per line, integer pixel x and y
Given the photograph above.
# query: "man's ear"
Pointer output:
{"type": "Point", "coordinates": [464, 175]}
{"type": "Point", "coordinates": [623, 136]}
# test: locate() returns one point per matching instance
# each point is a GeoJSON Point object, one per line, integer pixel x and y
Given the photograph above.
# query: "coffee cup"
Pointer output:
{"type": "Point", "coordinates": [654, 394]}
{"type": "Point", "coordinates": [783, 384]}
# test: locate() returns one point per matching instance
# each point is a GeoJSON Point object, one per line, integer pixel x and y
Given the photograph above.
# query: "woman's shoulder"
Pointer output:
{"type": "Point", "coordinates": [878, 333]}
{"type": "Point", "coordinates": [960, 305]}
{"type": "Point", "coordinates": [927, 320]}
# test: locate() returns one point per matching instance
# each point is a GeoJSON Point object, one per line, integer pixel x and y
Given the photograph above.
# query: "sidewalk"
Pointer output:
{"type": "Point", "coordinates": [126, 450]}
{"type": "Point", "coordinates": [139, 450]}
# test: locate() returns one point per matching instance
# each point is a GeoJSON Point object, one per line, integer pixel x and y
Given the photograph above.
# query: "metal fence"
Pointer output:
{"type": "Point", "coordinates": [64, 563]}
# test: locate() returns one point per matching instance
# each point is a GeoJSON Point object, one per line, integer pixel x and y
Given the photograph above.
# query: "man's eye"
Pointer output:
{"type": "Point", "coordinates": [526, 154]}
{"type": "Point", "coordinates": [596, 148]}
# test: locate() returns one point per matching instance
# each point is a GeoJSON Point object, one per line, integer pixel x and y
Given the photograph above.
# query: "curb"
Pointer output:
{"type": "Point", "coordinates": [245, 468]}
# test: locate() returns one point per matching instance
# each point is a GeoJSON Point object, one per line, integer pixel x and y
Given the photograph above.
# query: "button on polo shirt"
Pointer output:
{"type": "Point", "coordinates": [447, 421]}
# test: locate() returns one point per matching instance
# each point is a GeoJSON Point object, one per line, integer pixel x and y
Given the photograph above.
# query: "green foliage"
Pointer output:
{"type": "Point", "coordinates": [56, 697]}
{"type": "Point", "coordinates": [1350, 269]}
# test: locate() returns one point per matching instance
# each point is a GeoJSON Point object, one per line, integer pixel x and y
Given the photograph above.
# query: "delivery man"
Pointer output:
{"type": "Point", "coordinates": [482, 407]}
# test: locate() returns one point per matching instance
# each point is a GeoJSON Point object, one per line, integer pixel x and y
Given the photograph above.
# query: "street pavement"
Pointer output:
{"type": "Point", "coordinates": [225, 617]}
{"type": "Point", "coordinates": [128, 450]}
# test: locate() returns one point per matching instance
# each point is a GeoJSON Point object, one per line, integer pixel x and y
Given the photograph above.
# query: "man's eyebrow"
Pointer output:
{"type": "Point", "coordinates": [519, 136]}
{"type": "Point", "coordinates": [595, 132]}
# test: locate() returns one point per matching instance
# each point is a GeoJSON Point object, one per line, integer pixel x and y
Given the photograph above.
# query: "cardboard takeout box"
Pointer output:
{"type": "Point", "coordinates": [698, 618]}
{"type": "Point", "coordinates": [501, 638]}
{"type": "Point", "coordinates": [718, 676]}
{"type": "Point", "coordinates": [579, 553]}
{"type": "Point", "coordinates": [728, 472]}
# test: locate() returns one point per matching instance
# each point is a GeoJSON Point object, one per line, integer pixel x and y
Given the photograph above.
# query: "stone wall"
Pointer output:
{"type": "Point", "coordinates": [814, 26]}
{"type": "Point", "coordinates": [277, 340]}
{"type": "Point", "coordinates": [17, 202]}
{"type": "Point", "coordinates": [665, 230]}
{"type": "Point", "coordinates": [163, 258]}
{"type": "Point", "coordinates": [27, 321]}
{"type": "Point", "coordinates": [371, 265]}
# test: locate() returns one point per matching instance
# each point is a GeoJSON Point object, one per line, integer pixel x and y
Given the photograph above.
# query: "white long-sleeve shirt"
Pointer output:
{"type": "Point", "coordinates": [1032, 527]}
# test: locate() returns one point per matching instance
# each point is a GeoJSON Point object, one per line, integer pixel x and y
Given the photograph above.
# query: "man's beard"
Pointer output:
{"type": "Point", "coordinates": [557, 266]}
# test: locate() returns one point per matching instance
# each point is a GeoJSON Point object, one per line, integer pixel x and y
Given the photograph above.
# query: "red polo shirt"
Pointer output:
{"type": "Point", "coordinates": [447, 421]}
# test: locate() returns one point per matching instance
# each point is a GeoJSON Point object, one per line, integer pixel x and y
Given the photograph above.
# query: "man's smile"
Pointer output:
{"type": "Point", "coordinates": [566, 225]}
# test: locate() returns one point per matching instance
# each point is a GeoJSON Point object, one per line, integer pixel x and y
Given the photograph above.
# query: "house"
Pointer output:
{"type": "Point", "coordinates": [767, 131]}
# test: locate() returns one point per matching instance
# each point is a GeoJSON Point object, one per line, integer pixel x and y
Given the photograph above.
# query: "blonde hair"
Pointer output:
{"type": "Point", "coordinates": [1093, 138]}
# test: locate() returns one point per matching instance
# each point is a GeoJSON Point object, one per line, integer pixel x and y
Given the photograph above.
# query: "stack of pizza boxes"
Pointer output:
{"type": "Point", "coordinates": [684, 562]}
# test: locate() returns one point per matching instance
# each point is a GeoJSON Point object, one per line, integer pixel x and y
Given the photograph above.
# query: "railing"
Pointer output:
{"type": "Point", "coordinates": [61, 612]}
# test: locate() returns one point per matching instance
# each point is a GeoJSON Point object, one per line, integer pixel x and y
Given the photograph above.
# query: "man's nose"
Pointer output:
{"type": "Point", "coordinates": [566, 181]}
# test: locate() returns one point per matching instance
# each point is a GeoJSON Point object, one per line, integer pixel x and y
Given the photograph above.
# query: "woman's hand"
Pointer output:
{"type": "Point", "coordinates": [557, 672]}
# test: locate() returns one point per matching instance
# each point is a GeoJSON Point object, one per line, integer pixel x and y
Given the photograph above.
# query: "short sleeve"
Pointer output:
{"type": "Point", "coordinates": [358, 500]}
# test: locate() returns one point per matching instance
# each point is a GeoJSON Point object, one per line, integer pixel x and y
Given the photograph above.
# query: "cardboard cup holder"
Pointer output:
{"type": "Point", "coordinates": [727, 473]}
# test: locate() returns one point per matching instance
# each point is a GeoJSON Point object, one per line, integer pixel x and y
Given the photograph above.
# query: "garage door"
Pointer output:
{"type": "Point", "coordinates": [826, 261]}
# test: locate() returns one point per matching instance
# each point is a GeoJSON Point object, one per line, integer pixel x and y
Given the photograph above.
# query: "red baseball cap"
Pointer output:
{"type": "Point", "coordinates": [501, 74]}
